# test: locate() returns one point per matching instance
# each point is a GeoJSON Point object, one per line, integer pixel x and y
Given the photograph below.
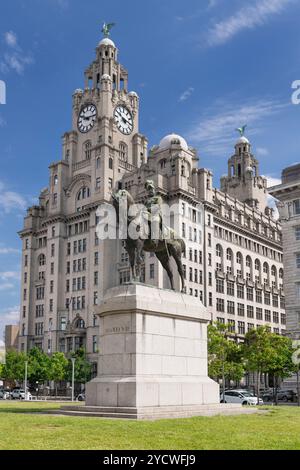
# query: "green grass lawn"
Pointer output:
{"type": "Point", "coordinates": [22, 428]}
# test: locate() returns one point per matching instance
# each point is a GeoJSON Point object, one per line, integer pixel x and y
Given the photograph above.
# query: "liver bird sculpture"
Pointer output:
{"type": "Point", "coordinates": [241, 130]}
{"type": "Point", "coordinates": [106, 28]}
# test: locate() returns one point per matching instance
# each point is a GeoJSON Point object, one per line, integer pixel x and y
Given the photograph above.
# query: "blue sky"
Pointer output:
{"type": "Point", "coordinates": [201, 68]}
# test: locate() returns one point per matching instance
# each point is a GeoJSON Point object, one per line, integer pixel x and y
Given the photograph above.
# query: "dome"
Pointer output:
{"type": "Point", "coordinates": [133, 93]}
{"type": "Point", "coordinates": [170, 139]}
{"type": "Point", "coordinates": [243, 140]}
{"type": "Point", "coordinates": [105, 76]}
{"type": "Point", "coordinates": [106, 42]}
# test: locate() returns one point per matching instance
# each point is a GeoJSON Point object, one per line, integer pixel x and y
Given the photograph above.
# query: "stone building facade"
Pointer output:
{"type": "Point", "coordinates": [233, 259]}
{"type": "Point", "coordinates": [288, 195]}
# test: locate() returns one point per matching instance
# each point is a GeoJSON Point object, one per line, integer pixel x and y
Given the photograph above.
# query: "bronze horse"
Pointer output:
{"type": "Point", "coordinates": [171, 246]}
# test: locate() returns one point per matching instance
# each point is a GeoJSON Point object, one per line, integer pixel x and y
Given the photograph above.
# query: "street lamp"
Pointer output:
{"type": "Point", "coordinates": [73, 376]}
{"type": "Point", "coordinates": [25, 381]}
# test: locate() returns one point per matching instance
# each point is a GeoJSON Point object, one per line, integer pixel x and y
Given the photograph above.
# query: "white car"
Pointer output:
{"type": "Point", "coordinates": [240, 396]}
{"type": "Point", "coordinates": [19, 394]}
{"type": "Point", "coordinates": [4, 394]}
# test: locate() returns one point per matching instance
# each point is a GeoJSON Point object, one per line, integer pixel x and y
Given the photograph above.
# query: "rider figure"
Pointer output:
{"type": "Point", "coordinates": [153, 205]}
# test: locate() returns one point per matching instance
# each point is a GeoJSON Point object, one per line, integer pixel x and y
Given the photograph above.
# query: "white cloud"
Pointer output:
{"type": "Point", "coordinates": [11, 39]}
{"type": "Point", "coordinates": [247, 17]}
{"type": "Point", "coordinates": [262, 152]}
{"type": "Point", "coordinates": [11, 201]}
{"type": "Point", "coordinates": [14, 59]}
{"type": "Point", "coordinates": [6, 275]}
{"type": "Point", "coordinates": [273, 181]}
{"type": "Point", "coordinates": [214, 131]}
{"type": "Point", "coordinates": [186, 94]}
{"type": "Point", "coordinates": [8, 251]}
{"type": "Point", "coordinates": [9, 316]}
{"type": "Point", "coordinates": [2, 121]}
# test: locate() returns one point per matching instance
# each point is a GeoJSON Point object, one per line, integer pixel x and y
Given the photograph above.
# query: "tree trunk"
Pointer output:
{"type": "Point", "coordinates": [276, 390]}
{"type": "Point", "coordinates": [258, 386]}
{"type": "Point", "coordinates": [298, 388]}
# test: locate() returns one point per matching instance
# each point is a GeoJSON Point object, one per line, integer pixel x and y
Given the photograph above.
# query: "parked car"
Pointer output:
{"type": "Point", "coordinates": [240, 396]}
{"type": "Point", "coordinates": [4, 394]}
{"type": "Point", "coordinates": [19, 394]}
{"type": "Point", "coordinates": [286, 395]}
{"type": "Point", "coordinates": [282, 395]}
{"type": "Point", "coordinates": [81, 397]}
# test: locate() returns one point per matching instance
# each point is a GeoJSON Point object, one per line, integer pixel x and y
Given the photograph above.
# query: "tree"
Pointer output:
{"type": "Point", "coordinates": [38, 366]}
{"type": "Point", "coordinates": [224, 355]}
{"type": "Point", "coordinates": [281, 365]}
{"type": "Point", "coordinates": [58, 368]}
{"type": "Point", "coordinates": [259, 352]}
{"type": "Point", "coordinates": [82, 369]}
{"type": "Point", "coordinates": [14, 367]}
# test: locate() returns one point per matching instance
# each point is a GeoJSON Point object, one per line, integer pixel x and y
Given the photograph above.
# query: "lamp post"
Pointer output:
{"type": "Point", "coordinates": [25, 381]}
{"type": "Point", "coordinates": [73, 376]}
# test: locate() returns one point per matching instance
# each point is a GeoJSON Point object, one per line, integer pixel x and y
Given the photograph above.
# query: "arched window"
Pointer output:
{"type": "Point", "coordinates": [274, 271]}
{"type": "Point", "coordinates": [219, 251]}
{"type": "Point", "coordinates": [110, 163]}
{"type": "Point", "coordinates": [98, 162]}
{"type": "Point", "coordinates": [163, 163]}
{"type": "Point", "coordinates": [280, 273]}
{"type": "Point", "coordinates": [123, 151]}
{"type": "Point", "coordinates": [87, 150]}
{"type": "Point", "coordinates": [84, 193]}
{"type": "Point", "coordinates": [266, 268]}
{"type": "Point", "coordinates": [257, 265]}
{"type": "Point", "coordinates": [229, 254]}
{"type": "Point", "coordinates": [55, 180]}
{"type": "Point", "coordinates": [79, 323]}
{"type": "Point", "coordinates": [249, 262]}
{"type": "Point", "coordinates": [239, 258]}
{"type": "Point", "coordinates": [182, 170]}
{"type": "Point", "coordinates": [42, 260]}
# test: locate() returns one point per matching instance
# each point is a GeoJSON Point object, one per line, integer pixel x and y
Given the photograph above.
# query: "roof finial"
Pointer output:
{"type": "Point", "coordinates": [241, 130]}
{"type": "Point", "coordinates": [106, 29]}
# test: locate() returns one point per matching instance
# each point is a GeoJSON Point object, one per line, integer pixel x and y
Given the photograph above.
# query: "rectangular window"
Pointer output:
{"type": "Point", "coordinates": [241, 310]}
{"type": "Point", "coordinates": [250, 311]}
{"type": "Point", "coordinates": [220, 286]}
{"type": "Point", "coordinates": [250, 293]}
{"type": "Point", "coordinates": [267, 315]}
{"type": "Point", "coordinates": [258, 296]}
{"type": "Point", "coordinates": [297, 207]}
{"type": "Point", "coordinates": [52, 250]}
{"type": "Point", "coordinates": [210, 299]}
{"type": "Point", "coordinates": [297, 233]}
{"type": "Point", "coordinates": [230, 288]}
{"type": "Point", "coordinates": [259, 314]}
{"type": "Point", "coordinates": [95, 298]}
{"type": "Point", "coordinates": [240, 291]}
{"type": "Point", "coordinates": [95, 345]}
{"type": "Point", "coordinates": [241, 328]}
{"type": "Point", "coordinates": [298, 260]}
{"type": "Point", "coordinates": [275, 317]}
{"type": "Point", "coordinates": [230, 307]}
{"type": "Point", "coordinates": [96, 278]}
{"type": "Point", "coordinates": [220, 305]}
{"type": "Point", "coordinates": [51, 287]}
{"type": "Point", "coordinates": [151, 271]}
{"type": "Point", "coordinates": [96, 258]}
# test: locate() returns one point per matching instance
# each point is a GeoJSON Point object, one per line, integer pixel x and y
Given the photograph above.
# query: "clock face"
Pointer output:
{"type": "Point", "coordinates": [87, 118]}
{"type": "Point", "coordinates": [123, 119]}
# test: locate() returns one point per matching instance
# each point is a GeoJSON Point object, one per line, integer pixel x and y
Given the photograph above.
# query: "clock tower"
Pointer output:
{"type": "Point", "coordinates": [105, 124]}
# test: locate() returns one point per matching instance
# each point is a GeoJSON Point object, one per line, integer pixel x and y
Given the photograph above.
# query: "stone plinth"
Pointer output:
{"type": "Point", "coordinates": [153, 351]}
